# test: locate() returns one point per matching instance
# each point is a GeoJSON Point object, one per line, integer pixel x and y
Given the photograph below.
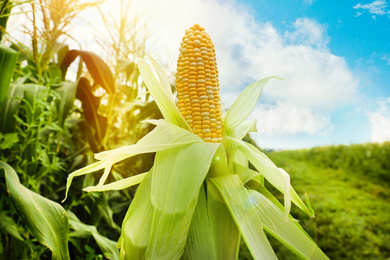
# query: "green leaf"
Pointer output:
{"type": "Point", "coordinates": [8, 226]}
{"type": "Point", "coordinates": [244, 105]}
{"type": "Point", "coordinates": [10, 108]}
{"type": "Point", "coordinates": [107, 246]}
{"type": "Point", "coordinates": [46, 219]}
{"type": "Point", "coordinates": [5, 11]}
{"type": "Point", "coordinates": [285, 231]}
{"type": "Point", "coordinates": [160, 89]}
{"type": "Point", "coordinates": [118, 185]}
{"type": "Point", "coordinates": [137, 223]}
{"type": "Point", "coordinates": [200, 241]}
{"type": "Point", "coordinates": [164, 136]}
{"type": "Point", "coordinates": [276, 176]}
{"type": "Point", "coordinates": [243, 129]}
{"type": "Point", "coordinates": [64, 103]}
{"type": "Point", "coordinates": [177, 176]}
{"type": "Point", "coordinates": [33, 94]}
{"type": "Point", "coordinates": [244, 214]}
{"type": "Point", "coordinates": [225, 233]}
{"type": "Point", "coordinates": [8, 59]}
{"type": "Point", "coordinates": [8, 140]}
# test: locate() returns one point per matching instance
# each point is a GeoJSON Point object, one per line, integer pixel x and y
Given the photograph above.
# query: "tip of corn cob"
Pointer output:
{"type": "Point", "coordinates": [197, 85]}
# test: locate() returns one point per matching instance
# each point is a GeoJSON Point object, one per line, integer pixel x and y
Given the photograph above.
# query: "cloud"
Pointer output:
{"type": "Point", "coordinates": [380, 122]}
{"type": "Point", "coordinates": [377, 7]}
{"type": "Point", "coordinates": [283, 118]}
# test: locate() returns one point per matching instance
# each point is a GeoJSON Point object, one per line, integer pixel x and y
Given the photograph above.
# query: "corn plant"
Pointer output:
{"type": "Point", "coordinates": [201, 198]}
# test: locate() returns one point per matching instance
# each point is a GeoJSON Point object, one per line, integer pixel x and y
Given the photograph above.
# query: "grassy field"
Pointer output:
{"type": "Point", "coordinates": [348, 187]}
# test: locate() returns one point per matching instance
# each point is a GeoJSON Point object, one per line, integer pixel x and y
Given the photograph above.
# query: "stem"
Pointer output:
{"type": "Point", "coordinates": [35, 41]}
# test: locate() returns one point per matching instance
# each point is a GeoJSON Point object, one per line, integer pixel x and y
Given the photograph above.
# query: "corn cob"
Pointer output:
{"type": "Point", "coordinates": [197, 85]}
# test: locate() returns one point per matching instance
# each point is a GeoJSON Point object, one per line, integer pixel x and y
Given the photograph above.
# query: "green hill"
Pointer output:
{"type": "Point", "coordinates": [348, 187]}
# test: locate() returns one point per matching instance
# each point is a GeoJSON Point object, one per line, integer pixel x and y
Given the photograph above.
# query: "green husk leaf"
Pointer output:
{"type": "Point", "coordinates": [46, 219]}
{"type": "Point", "coordinates": [285, 231]}
{"type": "Point", "coordinates": [246, 174]}
{"type": "Point", "coordinates": [244, 105]}
{"type": "Point", "coordinates": [107, 246]}
{"type": "Point", "coordinates": [243, 129]}
{"type": "Point", "coordinates": [160, 89]}
{"type": "Point", "coordinates": [137, 223]}
{"type": "Point", "coordinates": [177, 176]}
{"type": "Point", "coordinates": [200, 243]}
{"type": "Point", "coordinates": [224, 230]}
{"type": "Point", "coordinates": [164, 136]}
{"type": "Point", "coordinates": [118, 185]}
{"type": "Point", "coordinates": [244, 214]}
{"type": "Point", "coordinates": [276, 176]}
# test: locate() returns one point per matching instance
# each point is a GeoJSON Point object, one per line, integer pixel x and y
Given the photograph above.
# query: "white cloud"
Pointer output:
{"type": "Point", "coordinates": [283, 118]}
{"type": "Point", "coordinates": [377, 7]}
{"type": "Point", "coordinates": [308, 32]}
{"type": "Point", "coordinates": [380, 122]}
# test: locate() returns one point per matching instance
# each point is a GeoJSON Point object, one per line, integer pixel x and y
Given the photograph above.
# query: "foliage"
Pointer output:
{"type": "Point", "coordinates": [351, 202]}
{"type": "Point", "coordinates": [44, 134]}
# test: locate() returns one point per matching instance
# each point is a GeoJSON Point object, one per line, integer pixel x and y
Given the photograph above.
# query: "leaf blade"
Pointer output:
{"type": "Point", "coordinates": [244, 214]}
{"type": "Point", "coordinates": [46, 219]}
{"type": "Point", "coordinates": [244, 105]}
{"type": "Point", "coordinates": [174, 196]}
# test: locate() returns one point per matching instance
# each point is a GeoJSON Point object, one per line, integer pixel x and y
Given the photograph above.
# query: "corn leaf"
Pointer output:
{"type": "Point", "coordinates": [243, 129]}
{"type": "Point", "coordinates": [118, 185]}
{"type": "Point", "coordinates": [8, 59]}
{"type": "Point", "coordinates": [67, 93]}
{"type": "Point", "coordinates": [225, 233]}
{"type": "Point", "coordinates": [46, 219]}
{"type": "Point", "coordinates": [244, 214]}
{"type": "Point", "coordinates": [164, 136]}
{"type": "Point", "coordinates": [90, 104]}
{"type": "Point", "coordinates": [177, 176]}
{"type": "Point", "coordinates": [33, 94]}
{"type": "Point", "coordinates": [98, 69]}
{"type": "Point", "coordinates": [200, 243]}
{"type": "Point", "coordinates": [244, 105]}
{"type": "Point", "coordinates": [160, 89]}
{"type": "Point", "coordinates": [137, 223]}
{"type": "Point", "coordinates": [285, 231]}
{"type": "Point", "coordinates": [10, 108]}
{"type": "Point", "coordinates": [8, 226]}
{"type": "Point", "coordinates": [276, 176]}
{"type": "Point", "coordinates": [107, 246]}
{"type": "Point", "coordinates": [246, 174]}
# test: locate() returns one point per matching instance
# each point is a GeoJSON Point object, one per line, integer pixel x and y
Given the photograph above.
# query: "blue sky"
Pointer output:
{"type": "Point", "coordinates": [334, 56]}
{"type": "Point", "coordinates": [360, 33]}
